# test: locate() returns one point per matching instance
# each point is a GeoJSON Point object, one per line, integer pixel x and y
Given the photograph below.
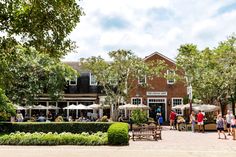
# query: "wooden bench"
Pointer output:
{"type": "Point", "coordinates": [147, 132]}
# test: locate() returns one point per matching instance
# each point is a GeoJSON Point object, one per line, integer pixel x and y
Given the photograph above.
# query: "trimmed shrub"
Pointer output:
{"type": "Point", "coordinates": [118, 134]}
{"type": "Point", "coordinates": [21, 138]}
{"type": "Point", "coordinates": [73, 127]}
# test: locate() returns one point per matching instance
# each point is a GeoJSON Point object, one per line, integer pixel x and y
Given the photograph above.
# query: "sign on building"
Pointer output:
{"type": "Point", "coordinates": [156, 93]}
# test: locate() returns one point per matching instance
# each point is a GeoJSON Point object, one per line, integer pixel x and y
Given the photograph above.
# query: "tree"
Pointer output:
{"type": "Point", "coordinates": [118, 77]}
{"type": "Point", "coordinates": [34, 36]}
{"type": "Point", "coordinates": [211, 71]}
{"type": "Point", "coordinates": [139, 117]}
{"type": "Point", "coordinates": [33, 74]}
{"type": "Point", "coordinates": [6, 107]}
{"type": "Point", "coordinates": [45, 25]}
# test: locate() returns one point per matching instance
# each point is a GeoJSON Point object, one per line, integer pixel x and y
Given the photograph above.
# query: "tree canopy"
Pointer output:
{"type": "Point", "coordinates": [45, 25]}
{"type": "Point", "coordinates": [33, 38]}
{"type": "Point", "coordinates": [211, 72]}
{"type": "Point", "coordinates": [118, 76]}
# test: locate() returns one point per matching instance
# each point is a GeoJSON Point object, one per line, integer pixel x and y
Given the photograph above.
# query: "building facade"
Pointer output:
{"type": "Point", "coordinates": [162, 94]}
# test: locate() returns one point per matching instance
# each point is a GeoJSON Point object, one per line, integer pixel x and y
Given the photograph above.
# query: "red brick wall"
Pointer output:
{"type": "Point", "coordinates": [178, 89]}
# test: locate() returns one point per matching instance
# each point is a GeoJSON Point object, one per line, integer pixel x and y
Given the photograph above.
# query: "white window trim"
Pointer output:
{"type": "Point", "coordinates": [73, 84]}
{"type": "Point", "coordinates": [94, 84]}
{"type": "Point", "coordinates": [145, 78]}
{"type": "Point", "coordinates": [170, 81]}
{"type": "Point", "coordinates": [180, 104]}
{"type": "Point", "coordinates": [136, 98]}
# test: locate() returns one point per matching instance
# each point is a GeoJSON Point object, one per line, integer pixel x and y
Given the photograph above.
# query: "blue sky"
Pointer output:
{"type": "Point", "coordinates": [148, 26]}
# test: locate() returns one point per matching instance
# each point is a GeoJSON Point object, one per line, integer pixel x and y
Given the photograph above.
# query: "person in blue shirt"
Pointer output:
{"type": "Point", "coordinates": [160, 121]}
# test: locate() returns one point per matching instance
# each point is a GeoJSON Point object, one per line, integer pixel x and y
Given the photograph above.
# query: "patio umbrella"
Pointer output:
{"type": "Point", "coordinates": [51, 107]}
{"type": "Point", "coordinates": [127, 107]}
{"type": "Point", "coordinates": [95, 106]}
{"type": "Point", "coordinates": [142, 106]}
{"type": "Point", "coordinates": [38, 107]}
{"type": "Point", "coordinates": [82, 107]}
{"type": "Point", "coordinates": [182, 107]}
{"type": "Point", "coordinates": [71, 107]}
{"type": "Point", "coordinates": [18, 107]}
{"type": "Point", "coordinates": [98, 106]}
{"type": "Point", "coordinates": [206, 108]}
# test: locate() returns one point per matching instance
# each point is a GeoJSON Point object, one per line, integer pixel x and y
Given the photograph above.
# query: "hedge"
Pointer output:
{"type": "Point", "coordinates": [118, 134]}
{"type": "Point", "coordinates": [21, 138]}
{"type": "Point", "coordinates": [59, 127]}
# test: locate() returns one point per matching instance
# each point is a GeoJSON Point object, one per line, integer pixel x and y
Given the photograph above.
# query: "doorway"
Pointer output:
{"type": "Point", "coordinates": [157, 105]}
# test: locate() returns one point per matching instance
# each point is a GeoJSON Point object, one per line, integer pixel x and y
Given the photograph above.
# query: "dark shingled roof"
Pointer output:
{"type": "Point", "coordinates": [76, 66]}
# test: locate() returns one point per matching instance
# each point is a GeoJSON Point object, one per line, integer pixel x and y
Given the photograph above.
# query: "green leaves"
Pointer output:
{"type": "Point", "coordinates": [139, 117]}
{"type": "Point", "coordinates": [44, 25]}
{"type": "Point", "coordinates": [120, 76]}
{"type": "Point", "coordinates": [33, 74]}
{"type": "Point", "coordinates": [39, 138]}
{"type": "Point", "coordinates": [212, 72]}
{"type": "Point", "coordinates": [6, 107]}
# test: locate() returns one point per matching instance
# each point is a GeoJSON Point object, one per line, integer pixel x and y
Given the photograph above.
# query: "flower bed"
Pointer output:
{"type": "Point", "coordinates": [21, 138]}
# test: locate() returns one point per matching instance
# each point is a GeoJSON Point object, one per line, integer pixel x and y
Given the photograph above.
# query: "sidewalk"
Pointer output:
{"type": "Point", "coordinates": [174, 143]}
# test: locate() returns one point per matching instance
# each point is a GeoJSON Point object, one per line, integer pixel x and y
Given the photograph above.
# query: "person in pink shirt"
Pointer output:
{"type": "Point", "coordinates": [200, 123]}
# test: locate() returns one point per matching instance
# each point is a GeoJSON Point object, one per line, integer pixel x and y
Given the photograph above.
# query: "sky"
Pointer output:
{"type": "Point", "coordinates": [148, 26]}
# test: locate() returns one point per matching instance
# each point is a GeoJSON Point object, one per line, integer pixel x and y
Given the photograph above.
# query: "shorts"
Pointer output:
{"type": "Point", "coordinates": [220, 129]}
{"type": "Point", "coordinates": [200, 123]}
{"type": "Point", "coordinates": [228, 125]}
{"type": "Point", "coordinates": [233, 126]}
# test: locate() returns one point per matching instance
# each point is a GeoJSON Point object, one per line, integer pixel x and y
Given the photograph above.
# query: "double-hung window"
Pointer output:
{"type": "Point", "coordinates": [170, 73]}
{"type": "Point", "coordinates": [142, 79]}
{"type": "Point", "coordinates": [136, 101]}
{"type": "Point", "coordinates": [175, 102]}
{"type": "Point", "coordinates": [93, 80]}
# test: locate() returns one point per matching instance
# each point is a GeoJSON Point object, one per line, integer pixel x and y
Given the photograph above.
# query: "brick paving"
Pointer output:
{"type": "Point", "coordinates": [174, 143]}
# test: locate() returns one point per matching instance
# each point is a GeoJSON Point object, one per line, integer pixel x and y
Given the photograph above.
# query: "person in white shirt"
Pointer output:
{"type": "Point", "coordinates": [229, 117]}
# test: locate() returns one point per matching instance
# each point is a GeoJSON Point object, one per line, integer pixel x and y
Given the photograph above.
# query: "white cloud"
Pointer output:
{"type": "Point", "coordinates": [149, 26]}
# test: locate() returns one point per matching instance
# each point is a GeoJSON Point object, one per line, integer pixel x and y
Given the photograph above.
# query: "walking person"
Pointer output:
{"type": "Point", "coordinates": [200, 123]}
{"type": "Point", "coordinates": [220, 125]}
{"type": "Point", "coordinates": [192, 121]}
{"type": "Point", "coordinates": [228, 117]}
{"type": "Point", "coordinates": [172, 119]}
{"type": "Point", "coordinates": [160, 120]}
{"type": "Point", "coordinates": [233, 126]}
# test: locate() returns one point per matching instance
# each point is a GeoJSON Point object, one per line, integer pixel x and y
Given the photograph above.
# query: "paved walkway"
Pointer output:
{"type": "Point", "coordinates": [174, 143]}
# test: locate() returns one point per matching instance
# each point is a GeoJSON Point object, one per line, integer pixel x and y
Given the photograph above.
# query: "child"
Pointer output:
{"type": "Point", "coordinates": [160, 120]}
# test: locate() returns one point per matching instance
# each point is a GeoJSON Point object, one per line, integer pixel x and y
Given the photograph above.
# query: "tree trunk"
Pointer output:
{"type": "Point", "coordinates": [221, 107]}
{"type": "Point", "coordinates": [233, 103]}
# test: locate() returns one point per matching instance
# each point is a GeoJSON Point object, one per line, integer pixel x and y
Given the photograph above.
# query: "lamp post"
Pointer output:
{"type": "Point", "coordinates": [190, 96]}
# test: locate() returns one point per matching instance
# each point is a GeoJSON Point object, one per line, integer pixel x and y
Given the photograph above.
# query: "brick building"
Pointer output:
{"type": "Point", "coordinates": [162, 93]}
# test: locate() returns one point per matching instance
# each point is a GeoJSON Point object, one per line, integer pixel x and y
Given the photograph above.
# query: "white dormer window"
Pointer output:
{"type": "Point", "coordinates": [171, 72]}
{"type": "Point", "coordinates": [93, 80]}
{"type": "Point", "coordinates": [142, 80]}
{"type": "Point", "coordinates": [73, 82]}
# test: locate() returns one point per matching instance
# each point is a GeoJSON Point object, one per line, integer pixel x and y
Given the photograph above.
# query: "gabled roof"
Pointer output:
{"type": "Point", "coordinates": [75, 65]}
{"type": "Point", "coordinates": [161, 55]}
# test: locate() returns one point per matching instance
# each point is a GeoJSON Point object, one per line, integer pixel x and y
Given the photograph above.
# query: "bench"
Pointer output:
{"type": "Point", "coordinates": [147, 132]}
